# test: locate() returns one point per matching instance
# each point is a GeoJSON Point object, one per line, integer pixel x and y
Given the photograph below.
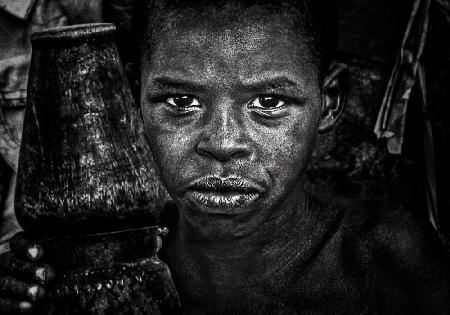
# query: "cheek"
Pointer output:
{"type": "Point", "coordinates": [288, 149]}
{"type": "Point", "coordinates": [168, 158]}
{"type": "Point", "coordinates": [170, 148]}
{"type": "Point", "coordinates": [160, 143]}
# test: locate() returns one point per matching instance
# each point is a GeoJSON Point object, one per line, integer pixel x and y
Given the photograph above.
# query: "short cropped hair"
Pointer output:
{"type": "Point", "coordinates": [314, 20]}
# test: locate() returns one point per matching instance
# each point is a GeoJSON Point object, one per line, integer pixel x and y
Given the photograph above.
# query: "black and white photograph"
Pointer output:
{"type": "Point", "coordinates": [224, 157]}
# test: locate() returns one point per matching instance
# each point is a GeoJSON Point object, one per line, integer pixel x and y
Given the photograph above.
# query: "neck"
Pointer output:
{"type": "Point", "coordinates": [274, 232]}
{"type": "Point", "coordinates": [221, 274]}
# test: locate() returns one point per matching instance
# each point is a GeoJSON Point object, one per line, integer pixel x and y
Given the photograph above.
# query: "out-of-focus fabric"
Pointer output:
{"type": "Point", "coordinates": [391, 119]}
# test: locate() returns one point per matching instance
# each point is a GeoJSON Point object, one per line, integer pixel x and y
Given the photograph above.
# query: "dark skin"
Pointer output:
{"type": "Point", "coordinates": [232, 113]}
{"type": "Point", "coordinates": [226, 132]}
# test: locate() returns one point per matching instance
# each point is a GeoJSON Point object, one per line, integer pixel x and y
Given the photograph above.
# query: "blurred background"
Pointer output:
{"type": "Point", "coordinates": [392, 143]}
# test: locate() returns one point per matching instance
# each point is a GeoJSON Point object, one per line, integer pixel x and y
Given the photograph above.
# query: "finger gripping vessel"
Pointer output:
{"type": "Point", "coordinates": [85, 173]}
{"type": "Point", "coordinates": [109, 273]}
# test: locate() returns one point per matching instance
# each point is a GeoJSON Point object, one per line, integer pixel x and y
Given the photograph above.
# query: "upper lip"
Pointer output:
{"type": "Point", "coordinates": [225, 185]}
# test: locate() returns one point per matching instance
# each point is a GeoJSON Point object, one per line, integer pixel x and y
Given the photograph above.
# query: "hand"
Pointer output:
{"type": "Point", "coordinates": [23, 276]}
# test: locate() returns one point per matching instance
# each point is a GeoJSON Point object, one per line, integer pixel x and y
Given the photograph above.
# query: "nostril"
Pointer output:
{"type": "Point", "coordinates": [202, 149]}
{"type": "Point", "coordinates": [224, 137]}
{"type": "Point", "coordinates": [224, 150]}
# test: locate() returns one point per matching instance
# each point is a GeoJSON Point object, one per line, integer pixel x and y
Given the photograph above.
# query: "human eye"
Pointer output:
{"type": "Point", "coordinates": [267, 103]}
{"type": "Point", "coordinates": [183, 101]}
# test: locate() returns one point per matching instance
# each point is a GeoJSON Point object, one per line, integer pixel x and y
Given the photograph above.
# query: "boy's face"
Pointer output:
{"type": "Point", "coordinates": [231, 114]}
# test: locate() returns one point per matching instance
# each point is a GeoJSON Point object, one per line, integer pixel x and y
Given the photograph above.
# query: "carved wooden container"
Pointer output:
{"type": "Point", "coordinates": [83, 166]}
{"type": "Point", "coordinates": [85, 173]}
{"type": "Point", "coordinates": [109, 273]}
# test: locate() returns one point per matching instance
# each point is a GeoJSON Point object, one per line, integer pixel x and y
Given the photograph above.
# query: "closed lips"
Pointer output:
{"type": "Point", "coordinates": [219, 193]}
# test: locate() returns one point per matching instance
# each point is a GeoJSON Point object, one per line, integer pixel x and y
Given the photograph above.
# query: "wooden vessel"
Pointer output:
{"type": "Point", "coordinates": [87, 188]}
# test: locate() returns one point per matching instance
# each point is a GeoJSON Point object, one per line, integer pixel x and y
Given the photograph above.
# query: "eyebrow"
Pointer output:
{"type": "Point", "coordinates": [167, 83]}
{"type": "Point", "coordinates": [280, 84]}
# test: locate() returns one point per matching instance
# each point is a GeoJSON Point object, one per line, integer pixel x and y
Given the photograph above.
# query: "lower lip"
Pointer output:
{"type": "Point", "coordinates": [219, 200]}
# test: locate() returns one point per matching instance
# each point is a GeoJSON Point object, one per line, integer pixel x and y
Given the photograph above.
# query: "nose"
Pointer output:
{"type": "Point", "coordinates": [224, 137]}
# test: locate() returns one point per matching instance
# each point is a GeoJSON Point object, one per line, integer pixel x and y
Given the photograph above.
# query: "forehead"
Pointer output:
{"type": "Point", "coordinates": [237, 50]}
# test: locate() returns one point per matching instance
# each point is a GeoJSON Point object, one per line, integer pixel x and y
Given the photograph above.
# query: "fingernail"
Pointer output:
{"type": "Point", "coordinates": [32, 291]}
{"type": "Point", "coordinates": [163, 231]}
{"type": "Point", "coordinates": [35, 292]}
{"type": "Point", "coordinates": [158, 243]}
{"type": "Point", "coordinates": [25, 306]}
{"type": "Point", "coordinates": [33, 252]}
{"type": "Point", "coordinates": [41, 274]}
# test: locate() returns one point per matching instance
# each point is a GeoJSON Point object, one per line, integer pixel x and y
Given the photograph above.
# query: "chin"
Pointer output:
{"type": "Point", "coordinates": [222, 221]}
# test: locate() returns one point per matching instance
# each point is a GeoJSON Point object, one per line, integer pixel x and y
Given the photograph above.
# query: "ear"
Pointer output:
{"type": "Point", "coordinates": [334, 94]}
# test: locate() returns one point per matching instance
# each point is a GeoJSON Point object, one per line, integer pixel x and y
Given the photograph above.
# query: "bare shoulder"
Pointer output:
{"type": "Point", "coordinates": [382, 226]}
{"type": "Point", "coordinates": [393, 230]}
{"type": "Point", "coordinates": [404, 254]}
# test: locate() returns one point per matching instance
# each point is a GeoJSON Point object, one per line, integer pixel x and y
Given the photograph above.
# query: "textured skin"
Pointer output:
{"type": "Point", "coordinates": [332, 257]}
{"type": "Point", "coordinates": [350, 160]}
